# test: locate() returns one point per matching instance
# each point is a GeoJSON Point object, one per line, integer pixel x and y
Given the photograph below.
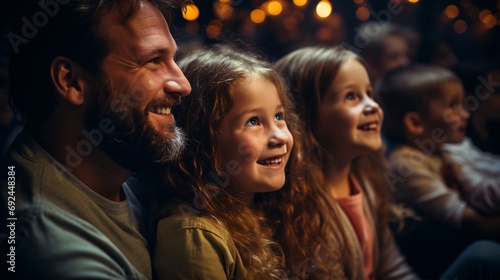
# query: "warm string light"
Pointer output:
{"type": "Point", "coordinates": [300, 3]}
{"type": "Point", "coordinates": [224, 10]}
{"type": "Point", "coordinates": [191, 12]}
{"type": "Point", "coordinates": [451, 11]}
{"type": "Point", "coordinates": [324, 8]}
{"type": "Point", "coordinates": [274, 8]}
{"type": "Point", "coordinates": [460, 26]}
{"type": "Point", "coordinates": [362, 13]}
{"type": "Point", "coordinates": [257, 16]}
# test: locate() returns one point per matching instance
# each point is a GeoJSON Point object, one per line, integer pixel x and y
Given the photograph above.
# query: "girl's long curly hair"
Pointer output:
{"type": "Point", "coordinates": [309, 212]}
{"type": "Point", "coordinates": [197, 182]}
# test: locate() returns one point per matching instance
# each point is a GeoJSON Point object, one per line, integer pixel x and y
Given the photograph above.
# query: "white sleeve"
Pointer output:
{"type": "Point", "coordinates": [479, 175]}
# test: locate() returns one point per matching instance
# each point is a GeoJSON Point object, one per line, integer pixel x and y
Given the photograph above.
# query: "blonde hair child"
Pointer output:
{"type": "Point", "coordinates": [333, 95]}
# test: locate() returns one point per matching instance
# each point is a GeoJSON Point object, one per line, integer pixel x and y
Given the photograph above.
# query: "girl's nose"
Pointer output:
{"type": "Point", "coordinates": [371, 107]}
{"type": "Point", "coordinates": [278, 137]}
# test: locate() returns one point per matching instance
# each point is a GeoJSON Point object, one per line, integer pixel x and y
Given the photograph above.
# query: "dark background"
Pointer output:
{"type": "Point", "coordinates": [474, 50]}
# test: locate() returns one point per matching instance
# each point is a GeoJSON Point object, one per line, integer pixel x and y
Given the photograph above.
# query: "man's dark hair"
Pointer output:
{"type": "Point", "coordinates": [69, 28]}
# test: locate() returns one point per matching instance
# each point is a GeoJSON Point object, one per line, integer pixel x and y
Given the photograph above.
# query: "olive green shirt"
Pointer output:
{"type": "Point", "coordinates": [196, 247]}
{"type": "Point", "coordinates": [65, 230]}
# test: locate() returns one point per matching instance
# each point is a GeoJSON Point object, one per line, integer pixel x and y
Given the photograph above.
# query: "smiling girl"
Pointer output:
{"type": "Point", "coordinates": [333, 95]}
{"type": "Point", "coordinates": [236, 121]}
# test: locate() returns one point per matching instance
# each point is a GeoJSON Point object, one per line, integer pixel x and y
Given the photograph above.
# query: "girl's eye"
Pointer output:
{"type": "Point", "coordinates": [369, 93]}
{"type": "Point", "coordinates": [350, 96]}
{"type": "Point", "coordinates": [280, 116]}
{"type": "Point", "coordinates": [253, 121]}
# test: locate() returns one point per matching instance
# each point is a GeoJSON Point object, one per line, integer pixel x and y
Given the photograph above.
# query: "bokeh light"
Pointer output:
{"type": "Point", "coordinates": [213, 29]}
{"type": "Point", "coordinates": [300, 3]}
{"type": "Point", "coordinates": [485, 16]}
{"type": "Point", "coordinates": [460, 26]}
{"type": "Point", "coordinates": [362, 13]}
{"type": "Point", "coordinates": [257, 16]}
{"type": "Point", "coordinates": [191, 12]}
{"type": "Point", "coordinates": [274, 8]}
{"type": "Point", "coordinates": [451, 11]}
{"type": "Point", "coordinates": [223, 10]}
{"type": "Point", "coordinates": [323, 9]}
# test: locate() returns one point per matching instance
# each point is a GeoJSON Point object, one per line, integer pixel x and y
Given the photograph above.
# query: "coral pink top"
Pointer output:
{"type": "Point", "coordinates": [353, 208]}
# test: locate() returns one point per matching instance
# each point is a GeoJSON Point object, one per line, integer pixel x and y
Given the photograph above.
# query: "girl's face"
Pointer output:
{"type": "Point", "coordinates": [349, 120]}
{"type": "Point", "coordinates": [255, 142]}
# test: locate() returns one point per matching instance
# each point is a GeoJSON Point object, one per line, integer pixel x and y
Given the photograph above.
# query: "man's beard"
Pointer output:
{"type": "Point", "coordinates": [132, 142]}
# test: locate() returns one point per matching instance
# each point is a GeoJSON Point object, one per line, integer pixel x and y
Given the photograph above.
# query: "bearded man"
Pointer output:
{"type": "Point", "coordinates": [95, 81]}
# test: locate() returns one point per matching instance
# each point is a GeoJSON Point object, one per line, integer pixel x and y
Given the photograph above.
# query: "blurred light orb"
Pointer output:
{"type": "Point", "coordinates": [300, 3]}
{"type": "Point", "coordinates": [362, 13]}
{"type": "Point", "coordinates": [274, 8]}
{"type": "Point", "coordinates": [485, 16]}
{"type": "Point", "coordinates": [451, 11]}
{"type": "Point", "coordinates": [324, 9]}
{"type": "Point", "coordinates": [191, 12]}
{"type": "Point", "coordinates": [460, 26]}
{"type": "Point", "coordinates": [223, 10]}
{"type": "Point", "coordinates": [213, 31]}
{"type": "Point", "coordinates": [257, 16]}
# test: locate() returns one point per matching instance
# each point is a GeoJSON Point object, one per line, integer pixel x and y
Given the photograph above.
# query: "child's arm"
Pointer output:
{"type": "Point", "coordinates": [417, 183]}
{"type": "Point", "coordinates": [479, 175]}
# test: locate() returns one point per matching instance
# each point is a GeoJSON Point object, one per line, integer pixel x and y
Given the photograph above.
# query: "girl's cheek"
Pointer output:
{"type": "Point", "coordinates": [245, 150]}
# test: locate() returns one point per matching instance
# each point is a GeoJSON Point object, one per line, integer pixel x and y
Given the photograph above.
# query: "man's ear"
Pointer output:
{"type": "Point", "coordinates": [69, 79]}
{"type": "Point", "coordinates": [414, 123]}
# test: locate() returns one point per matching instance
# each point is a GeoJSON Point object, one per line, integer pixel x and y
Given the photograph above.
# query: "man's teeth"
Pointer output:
{"type": "Point", "coordinates": [270, 162]}
{"type": "Point", "coordinates": [371, 126]}
{"type": "Point", "coordinates": [162, 111]}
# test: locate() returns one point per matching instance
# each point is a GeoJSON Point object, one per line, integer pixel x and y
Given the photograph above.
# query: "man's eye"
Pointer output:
{"type": "Point", "coordinates": [155, 60]}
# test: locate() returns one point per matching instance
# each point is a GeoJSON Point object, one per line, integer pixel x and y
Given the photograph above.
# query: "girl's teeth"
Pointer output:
{"type": "Point", "coordinates": [369, 126]}
{"type": "Point", "coordinates": [270, 162]}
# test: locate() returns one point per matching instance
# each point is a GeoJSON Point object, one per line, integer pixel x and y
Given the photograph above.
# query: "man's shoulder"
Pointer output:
{"type": "Point", "coordinates": [52, 242]}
